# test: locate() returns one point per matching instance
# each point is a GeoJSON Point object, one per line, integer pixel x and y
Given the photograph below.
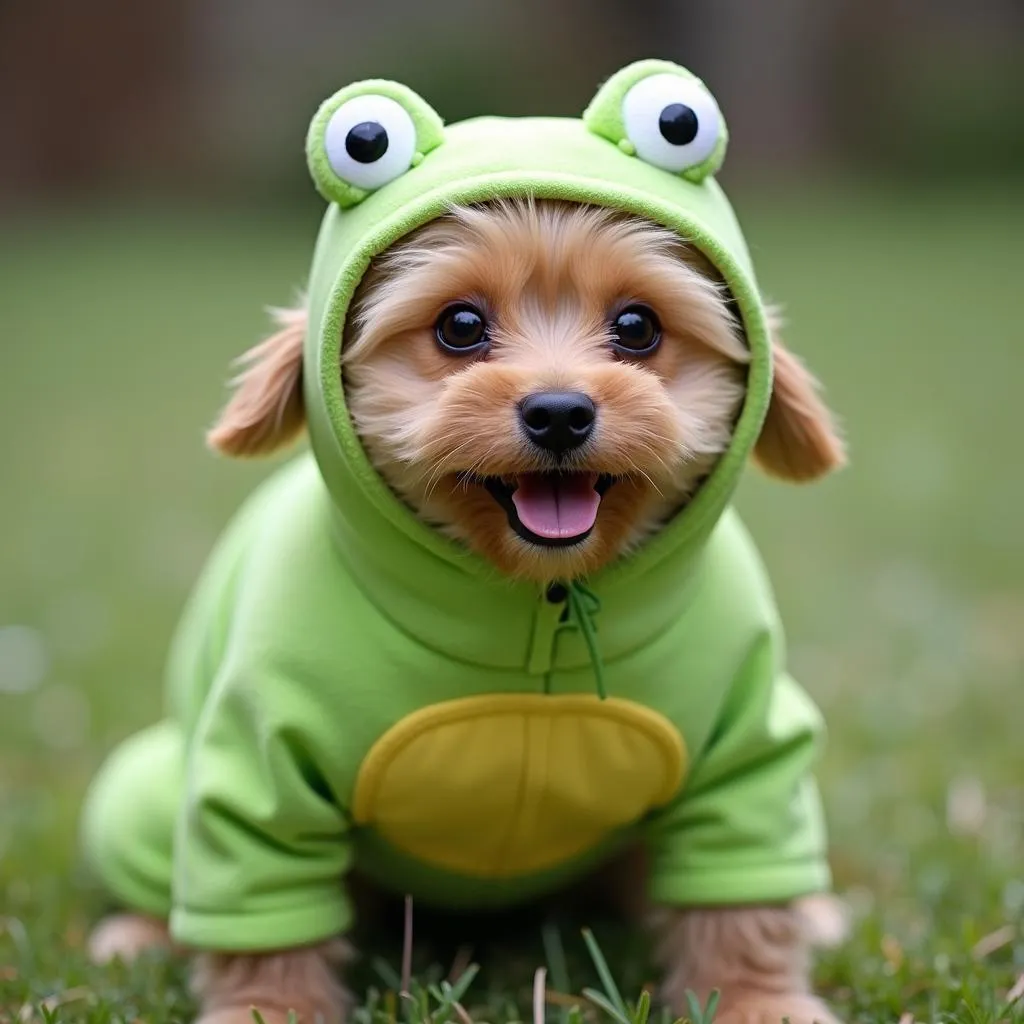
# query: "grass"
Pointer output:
{"type": "Point", "coordinates": [899, 580]}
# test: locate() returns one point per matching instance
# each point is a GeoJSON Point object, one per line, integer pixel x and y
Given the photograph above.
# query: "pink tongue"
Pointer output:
{"type": "Point", "coordinates": [557, 507]}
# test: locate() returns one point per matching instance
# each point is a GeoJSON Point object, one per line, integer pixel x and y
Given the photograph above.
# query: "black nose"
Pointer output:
{"type": "Point", "coordinates": [558, 420]}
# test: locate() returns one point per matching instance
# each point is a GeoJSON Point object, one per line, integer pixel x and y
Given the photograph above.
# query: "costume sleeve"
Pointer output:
{"type": "Point", "coordinates": [261, 847]}
{"type": "Point", "coordinates": [748, 825]}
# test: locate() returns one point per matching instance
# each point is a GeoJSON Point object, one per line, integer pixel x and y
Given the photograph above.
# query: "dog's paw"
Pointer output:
{"type": "Point", "coordinates": [245, 1015]}
{"type": "Point", "coordinates": [241, 1015]}
{"type": "Point", "coordinates": [774, 1009]}
{"type": "Point", "coordinates": [825, 918]}
{"type": "Point", "coordinates": [125, 937]}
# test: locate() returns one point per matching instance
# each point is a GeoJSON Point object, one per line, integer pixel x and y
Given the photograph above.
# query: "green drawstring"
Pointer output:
{"type": "Point", "coordinates": [583, 605]}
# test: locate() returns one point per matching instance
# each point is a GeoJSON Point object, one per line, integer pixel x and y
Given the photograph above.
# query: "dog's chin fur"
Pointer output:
{"type": "Point", "coordinates": [550, 279]}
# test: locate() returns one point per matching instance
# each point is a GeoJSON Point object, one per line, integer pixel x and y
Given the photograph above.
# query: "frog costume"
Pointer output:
{"type": "Point", "coordinates": [350, 689]}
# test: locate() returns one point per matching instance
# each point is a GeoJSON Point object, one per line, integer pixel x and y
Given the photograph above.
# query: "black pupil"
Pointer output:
{"type": "Point", "coordinates": [462, 328]}
{"type": "Point", "coordinates": [678, 124]}
{"type": "Point", "coordinates": [367, 142]}
{"type": "Point", "coordinates": [635, 329]}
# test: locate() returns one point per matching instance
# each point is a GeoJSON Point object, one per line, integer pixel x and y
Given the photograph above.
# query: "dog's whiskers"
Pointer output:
{"type": "Point", "coordinates": [441, 464]}
{"type": "Point", "coordinates": [647, 477]}
{"type": "Point", "coordinates": [444, 463]}
{"type": "Point", "coordinates": [473, 471]}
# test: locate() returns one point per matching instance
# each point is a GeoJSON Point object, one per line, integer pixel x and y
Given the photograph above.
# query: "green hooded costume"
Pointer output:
{"type": "Point", "coordinates": [349, 688]}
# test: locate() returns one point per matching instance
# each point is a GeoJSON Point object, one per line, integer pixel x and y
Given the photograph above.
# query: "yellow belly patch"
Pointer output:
{"type": "Point", "coordinates": [509, 784]}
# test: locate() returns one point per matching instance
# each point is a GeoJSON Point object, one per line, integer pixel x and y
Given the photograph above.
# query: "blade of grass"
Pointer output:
{"type": "Point", "coordinates": [643, 1008]}
{"type": "Point", "coordinates": [554, 953]}
{"type": "Point", "coordinates": [703, 1014]}
{"type": "Point", "coordinates": [539, 988]}
{"type": "Point", "coordinates": [448, 995]}
{"type": "Point", "coordinates": [463, 958]}
{"type": "Point", "coordinates": [387, 973]}
{"type": "Point", "coordinates": [460, 987]}
{"type": "Point", "coordinates": [696, 1010]}
{"type": "Point", "coordinates": [602, 1003]}
{"type": "Point", "coordinates": [711, 1008]}
{"type": "Point", "coordinates": [407, 947]}
{"type": "Point", "coordinates": [611, 989]}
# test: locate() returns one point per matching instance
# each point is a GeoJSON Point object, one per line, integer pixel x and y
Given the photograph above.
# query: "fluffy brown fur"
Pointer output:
{"type": "Point", "coordinates": [548, 277]}
{"type": "Point", "coordinates": [798, 441]}
{"type": "Point", "coordinates": [265, 412]}
{"type": "Point", "coordinates": [303, 981]}
{"type": "Point", "coordinates": [757, 957]}
{"type": "Point", "coordinates": [126, 936]}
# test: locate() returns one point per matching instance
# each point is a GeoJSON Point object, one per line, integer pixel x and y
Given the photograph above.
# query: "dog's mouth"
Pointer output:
{"type": "Point", "coordinates": [552, 509]}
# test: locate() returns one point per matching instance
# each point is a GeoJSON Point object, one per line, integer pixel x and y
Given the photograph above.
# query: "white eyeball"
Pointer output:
{"type": "Point", "coordinates": [673, 122]}
{"type": "Point", "coordinates": [369, 141]}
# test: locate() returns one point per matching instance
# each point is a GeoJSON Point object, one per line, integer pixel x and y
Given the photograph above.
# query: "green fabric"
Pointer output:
{"type": "Point", "coordinates": [329, 612]}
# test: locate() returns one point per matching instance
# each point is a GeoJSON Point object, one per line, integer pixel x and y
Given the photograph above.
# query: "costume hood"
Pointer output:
{"type": "Point", "coordinates": [649, 144]}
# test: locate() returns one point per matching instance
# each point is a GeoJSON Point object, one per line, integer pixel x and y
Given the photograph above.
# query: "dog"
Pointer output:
{"type": "Point", "coordinates": [549, 385]}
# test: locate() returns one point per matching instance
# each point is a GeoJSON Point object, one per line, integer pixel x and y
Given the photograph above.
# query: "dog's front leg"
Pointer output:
{"type": "Point", "coordinates": [757, 957]}
{"type": "Point", "coordinates": [304, 980]}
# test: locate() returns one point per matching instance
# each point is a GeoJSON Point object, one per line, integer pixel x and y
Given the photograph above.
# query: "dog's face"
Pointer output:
{"type": "Point", "coordinates": [545, 382]}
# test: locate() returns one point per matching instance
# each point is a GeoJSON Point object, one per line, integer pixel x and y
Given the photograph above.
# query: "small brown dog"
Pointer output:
{"type": "Point", "coordinates": [571, 300]}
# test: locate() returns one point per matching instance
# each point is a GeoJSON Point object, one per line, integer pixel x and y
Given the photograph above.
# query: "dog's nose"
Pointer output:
{"type": "Point", "coordinates": [558, 420]}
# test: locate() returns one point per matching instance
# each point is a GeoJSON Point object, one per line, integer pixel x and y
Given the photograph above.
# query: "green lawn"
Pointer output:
{"type": "Point", "coordinates": [901, 580]}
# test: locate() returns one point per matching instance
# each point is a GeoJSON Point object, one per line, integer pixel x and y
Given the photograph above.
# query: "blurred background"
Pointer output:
{"type": "Point", "coordinates": [153, 199]}
{"type": "Point", "coordinates": [210, 96]}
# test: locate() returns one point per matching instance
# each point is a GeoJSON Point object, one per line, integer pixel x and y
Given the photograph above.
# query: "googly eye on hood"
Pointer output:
{"type": "Point", "coordinates": [369, 141]}
{"type": "Point", "coordinates": [663, 115]}
{"type": "Point", "coordinates": [671, 122]}
{"type": "Point", "coordinates": [367, 135]}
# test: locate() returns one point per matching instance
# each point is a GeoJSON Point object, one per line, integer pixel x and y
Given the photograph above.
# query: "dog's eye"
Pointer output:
{"type": "Point", "coordinates": [369, 141]}
{"type": "Point", "coordinates": [673, 122]}
{"type": "Point", "coordinates": [461, 329]}
{"type": "Point", "coordinates": [636, 331]}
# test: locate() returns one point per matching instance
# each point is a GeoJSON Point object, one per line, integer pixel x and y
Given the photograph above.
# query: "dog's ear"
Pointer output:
{"type": "Point", "coordinates": [266, 410]}
{"type": "Point", "coordinates": [799, 440]}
